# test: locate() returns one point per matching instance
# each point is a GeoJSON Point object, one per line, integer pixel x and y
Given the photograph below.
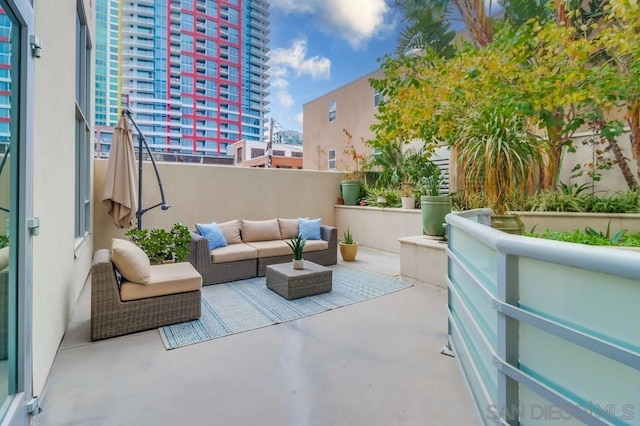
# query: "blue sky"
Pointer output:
{"type": "Point", "coordinates": [320, 45]}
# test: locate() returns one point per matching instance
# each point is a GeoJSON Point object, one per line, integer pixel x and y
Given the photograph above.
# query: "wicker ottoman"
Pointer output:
{"type": "Point", "coordinates": [292, 283]}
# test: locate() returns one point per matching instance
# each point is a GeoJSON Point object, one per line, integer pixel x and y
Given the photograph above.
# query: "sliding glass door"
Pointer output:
{"type": "Point", "coordinates": [16, 23]}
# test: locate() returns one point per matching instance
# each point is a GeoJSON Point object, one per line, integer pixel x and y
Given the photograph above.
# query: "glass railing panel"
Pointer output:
{"type": "Point", "coordinates": [609, 389]}
{"type": "Point", "coordinates": [477, 302]}
{"type": "Point", "coordinates": [604, 306]}
{"type": "Point", "coordinates": [534, 410]}
{"type": "Point", "coordinates": [480, 258]}
{"type": "Point", "coordinates": [478, 351]}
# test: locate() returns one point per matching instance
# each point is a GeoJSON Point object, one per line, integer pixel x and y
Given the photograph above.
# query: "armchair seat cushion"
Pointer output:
{"type": "Point", "coordinates": [271, 248]}
{"type": "Point", "coordinates": [233, 253]}
{"type": "Point", "coordinates": [170, 278]}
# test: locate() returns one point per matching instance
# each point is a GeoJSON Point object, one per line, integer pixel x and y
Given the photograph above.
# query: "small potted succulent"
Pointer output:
{"type": "Point", "coordinates": [297, 246]}
{"type": "Point", "coordinates": [348, 246]}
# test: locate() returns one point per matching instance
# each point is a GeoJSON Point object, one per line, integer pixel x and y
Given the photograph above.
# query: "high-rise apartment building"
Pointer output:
{"type": "Point", "coordinates": [107, 100]}
{"type": "Point", "coordinates": [193, 72]}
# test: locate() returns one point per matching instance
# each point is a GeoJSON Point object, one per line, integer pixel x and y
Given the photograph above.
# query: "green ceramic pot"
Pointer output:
{"type": "Point", "coordinates": [350, 192]}
{"type": "Point", "coordinates": [434, 209]}
{"type": "Point", "coordinates": [509, 223]}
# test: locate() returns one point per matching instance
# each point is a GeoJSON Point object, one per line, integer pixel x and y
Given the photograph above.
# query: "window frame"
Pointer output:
{"type": "Point", "coordinates": [330, 159]}
{"type": "Point", "coordinates": [83, 133]}
{"type": "Point", "coordinates": [332, 110]}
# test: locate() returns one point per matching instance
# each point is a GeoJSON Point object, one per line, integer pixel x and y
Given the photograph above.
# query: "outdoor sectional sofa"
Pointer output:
{"type": "Point", "coordinates": [252, 245]}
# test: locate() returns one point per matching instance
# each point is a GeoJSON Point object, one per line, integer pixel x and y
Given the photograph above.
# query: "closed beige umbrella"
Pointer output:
{"type": "Point", "coordinates": [119, 191]}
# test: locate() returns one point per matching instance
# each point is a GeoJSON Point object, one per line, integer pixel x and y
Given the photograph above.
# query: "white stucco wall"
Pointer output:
{"type": "Point", "coordinates": [60, 261]}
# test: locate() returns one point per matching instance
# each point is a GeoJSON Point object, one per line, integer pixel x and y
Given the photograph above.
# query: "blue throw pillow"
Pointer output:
{"type": "Point", "coordinates": [309, 229]}
{"type": "Point", "coordinates": [213, 234]}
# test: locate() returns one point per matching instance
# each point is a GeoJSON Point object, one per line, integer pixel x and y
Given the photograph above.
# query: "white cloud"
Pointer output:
{"type": "Point", "coordinates": [279, 83]}
{"type": "Point", "coordinates": [355, 21]}
{"type": "Point", "coordinates": [285, 99]}
{"type": "Point", "coordinates": [299, 117]}
{"type": "Point", "coordinates": [293, 61]}
{"type": "Point", "coordinates": [295, 58]}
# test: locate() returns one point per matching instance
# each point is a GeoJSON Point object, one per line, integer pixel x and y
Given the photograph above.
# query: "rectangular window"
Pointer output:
{"type": "Point", "coordinates": [332, 110]}
{"type": "Point", "coordinates": [83, 128]}
{"type": "Point", "coordinates": [239, 155]}
{"type": "Point", "coordinates": [377, 98]}
{"type": "Point", "coordinates": [332, 159]}
{"type": "Point", "coordinates": [257, 152]}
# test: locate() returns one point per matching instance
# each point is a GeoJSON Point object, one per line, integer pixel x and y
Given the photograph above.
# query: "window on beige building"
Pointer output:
{"type": "Point", "coordinates": [332, 110]}
{"type": "Point", "coordinates": [278, 153]}
{"type": "Point", "coordinates": [332, 159]}
{"type": "Point", "coordinates": [239, 155]}
{"type": "Point", "coordinates": [377, 98]}
{"type": "Point", "coordinates": [257, 152]}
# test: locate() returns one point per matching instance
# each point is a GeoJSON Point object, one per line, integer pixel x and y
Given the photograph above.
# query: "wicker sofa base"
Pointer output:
{"type": "Point", "coordinates": [110, 316]}
{"type": "Point", "coordinates": [216, 273]}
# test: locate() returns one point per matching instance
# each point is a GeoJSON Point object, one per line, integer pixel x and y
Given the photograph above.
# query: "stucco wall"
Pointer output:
{"type": "Point", "coordinates": [378, 228]}
{"type": "Point", "coordinates": [612, 180]}
{"type": "Point", "coordinates": [60, 261]}
{"type": "Point", "coordinates": [202, 193]}
{"type": "Point", "coordinates": [354, 111]}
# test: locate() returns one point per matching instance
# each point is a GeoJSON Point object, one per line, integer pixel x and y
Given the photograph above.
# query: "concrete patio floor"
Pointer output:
{"type": "Point", "coordinates": [377, 362]}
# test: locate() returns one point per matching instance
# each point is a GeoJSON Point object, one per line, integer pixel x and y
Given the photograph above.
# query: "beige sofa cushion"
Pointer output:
{"type": "Point", "coordinates": [170, 278]}
{"type": "Point", "coordinates": [272, 248]}
{"type": "Point", "coordinates": [233, 252]}
{"type": "Point", "coordinates": [288, 228]}
{"type": "Point", "coordinates": [131, 261]}
{"type": "Point", "coordinates": [259, 230]}
{"type": "Point", "coordinates": [315, 245]}
{"type": "Point", "coordinates": [231, 231]}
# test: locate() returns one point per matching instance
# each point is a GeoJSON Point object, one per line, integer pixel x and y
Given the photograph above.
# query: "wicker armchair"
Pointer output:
{"type": "Point", "coordinates": [111, 316]}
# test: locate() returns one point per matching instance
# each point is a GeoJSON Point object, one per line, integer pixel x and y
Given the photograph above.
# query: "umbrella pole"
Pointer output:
{"type": "Point", "coordinates": [143, 141]}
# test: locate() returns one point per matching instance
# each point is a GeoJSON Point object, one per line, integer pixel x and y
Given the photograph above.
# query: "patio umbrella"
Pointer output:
{"type": "Point", "coordinates": [119, 191]}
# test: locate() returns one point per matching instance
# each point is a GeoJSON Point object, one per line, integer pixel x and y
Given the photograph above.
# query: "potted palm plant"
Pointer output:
{"type": "Point", "coordinates": [348, 246]}
{"type": "Point", "coordinates": [297, 246]}
{"type": "Point", "coordinates": [499, 156]}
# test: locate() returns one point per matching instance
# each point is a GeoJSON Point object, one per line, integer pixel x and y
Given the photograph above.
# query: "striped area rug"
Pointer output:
{"type": "Point", "coordinates": [248, 304]}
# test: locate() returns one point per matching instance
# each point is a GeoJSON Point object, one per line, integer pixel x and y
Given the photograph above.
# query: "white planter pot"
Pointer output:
{"type": "Point", "coordinates": [298, 264]}
{"type": "Point", "coordinates": [408, 202]}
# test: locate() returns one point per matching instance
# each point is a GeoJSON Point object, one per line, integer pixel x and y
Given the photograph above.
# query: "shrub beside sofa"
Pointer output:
{"type": "Point", "coordinates": [252, 245]}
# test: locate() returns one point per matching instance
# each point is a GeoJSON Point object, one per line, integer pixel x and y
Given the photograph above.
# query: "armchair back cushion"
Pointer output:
{"type": "Point", "coordinates": [288, 228]}
{"type": "Point", "coordinates": [231, 231]}
{"type": "Point", "coordinates": [131, 261]}
{"type": "Point", "coordinates": [259, 230]}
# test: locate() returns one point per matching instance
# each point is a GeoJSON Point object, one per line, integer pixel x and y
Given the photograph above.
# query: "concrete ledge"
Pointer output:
{"type": "Point", "coordinates": [424, 259]}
